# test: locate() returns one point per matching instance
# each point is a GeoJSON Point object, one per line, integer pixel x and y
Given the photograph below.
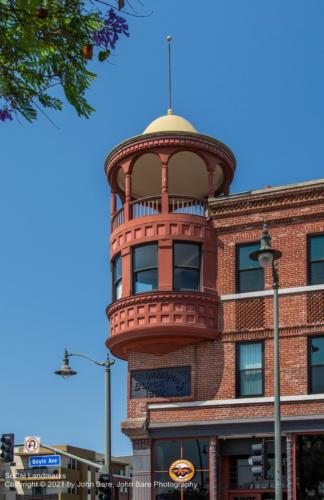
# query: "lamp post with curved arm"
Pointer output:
{"type": "Point", "coordinates": [267, 257]}
{"type": "Point", "coordinates": [66, 371]}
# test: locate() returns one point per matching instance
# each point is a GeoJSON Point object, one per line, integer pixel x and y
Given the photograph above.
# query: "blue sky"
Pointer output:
{"type": "Point", "coordinates": [247, 72]}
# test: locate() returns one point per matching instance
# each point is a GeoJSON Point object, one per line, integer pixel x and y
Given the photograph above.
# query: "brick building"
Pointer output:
{"type": "Point", "coordinates": [193, 316]}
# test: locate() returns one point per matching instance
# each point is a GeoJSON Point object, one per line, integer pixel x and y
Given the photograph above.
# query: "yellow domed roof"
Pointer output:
{"type": "Point", "coordinates": [169, 123]}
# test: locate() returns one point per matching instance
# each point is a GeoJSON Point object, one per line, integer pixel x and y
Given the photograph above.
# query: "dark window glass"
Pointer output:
{"type": "Point", "coordinates": [240, 472]}
{"type": "Point", "coordinates": [196, 450]}
{"type": "Point", "coordinates": [145, 270]}
{"type": "Point", "coordinates": [310, 467]}
{"type": "Point", "coordinates": [249, 272]}
{"type": "Point", "coordinates": [165, 488]}
{"type": "Point", "coordinates": [250, 369]}
{"type": "Point", "coordinates": [166, 452]}
{"type": "Point", "coordinates": [117, 278]}
{"type": "Point", "coordinates": [241, 477]}
{"type": "Point", "coordinates": [186, 266]}
{"type": "Point", "coordinates": [316, 259]}
{"type": "Point", "coordinates": [316, 355]}
{"type": "Point", "coordinates": [198, 487]}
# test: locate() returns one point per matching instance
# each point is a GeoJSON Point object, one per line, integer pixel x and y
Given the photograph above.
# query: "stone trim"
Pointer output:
{"type": "Point", "coordinates": [237, 401]}
{"type": "Point", "coordinates": [269, 293]}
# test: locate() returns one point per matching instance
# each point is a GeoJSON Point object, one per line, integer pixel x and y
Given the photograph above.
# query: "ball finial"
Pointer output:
{"type": "Point", "coordinates": [169, 38]}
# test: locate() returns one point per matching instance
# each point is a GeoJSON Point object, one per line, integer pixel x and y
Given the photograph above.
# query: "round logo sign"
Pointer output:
{"type": "Point", "coordinates": [181, 471]}
{"type": "Point", "coordinates": [32, 444]}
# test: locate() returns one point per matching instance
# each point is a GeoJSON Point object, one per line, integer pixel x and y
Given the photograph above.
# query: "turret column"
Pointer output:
{"type": "Point", "coordinates": [113, 203]}
{"type": "Point", "coordinates": [128, 197]}
{"type": "Point", "coordinates": [165, 184]}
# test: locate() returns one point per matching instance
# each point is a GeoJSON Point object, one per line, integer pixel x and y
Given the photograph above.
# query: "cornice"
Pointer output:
{"type": "Point", "coordinates": [273, 199]}
{"type": "Point", "coordinates": [158, 139]}
{"type": "Point", "coordinates": [239, 225]}
{"type": "Point", "coordinates": [160, 297]}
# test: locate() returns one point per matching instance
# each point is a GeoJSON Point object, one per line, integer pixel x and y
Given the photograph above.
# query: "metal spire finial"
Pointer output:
{"type": "Point", "coordinates": [169, 40]}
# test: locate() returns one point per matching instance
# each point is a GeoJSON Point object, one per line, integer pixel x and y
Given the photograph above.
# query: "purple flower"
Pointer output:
{"type": "Point", "coordinates": [114, 26]}
{"type": "Point", "coordinates": [5, 114]}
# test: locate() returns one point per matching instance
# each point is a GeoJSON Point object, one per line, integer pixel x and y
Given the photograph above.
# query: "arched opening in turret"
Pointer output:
{"type": "Point", "coordinates": [188, 175]}
{"type": "Point", "coordinates": [147, 176]}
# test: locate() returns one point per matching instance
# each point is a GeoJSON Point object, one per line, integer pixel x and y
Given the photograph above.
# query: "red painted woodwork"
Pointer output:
{"type": "Point", "coordinates": [164, 321]}
{"type": "Point", "coordinates": [165, 144]}
{"type": "Point", "coordinates": [159, 323]}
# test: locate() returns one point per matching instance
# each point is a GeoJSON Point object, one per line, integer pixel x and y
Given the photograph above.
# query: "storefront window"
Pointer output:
{"type": "Point", "coordinates": [310, 468]}
{"type": "Point", "coordinates": [166, 452]}
{"type": "Point", "coordinates": [192, 451]}
{"type": "Point", "coordinates": [196, 450]}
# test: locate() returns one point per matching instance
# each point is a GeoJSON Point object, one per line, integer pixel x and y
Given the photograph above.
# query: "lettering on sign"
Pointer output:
{"type": "Point", "coordinates": [161, 383]}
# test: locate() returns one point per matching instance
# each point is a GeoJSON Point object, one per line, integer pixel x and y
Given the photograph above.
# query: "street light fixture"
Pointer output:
{"type": "Point", "coordinates": [66, 371]}
{"type": "Point", "coordinates": [267, 257]}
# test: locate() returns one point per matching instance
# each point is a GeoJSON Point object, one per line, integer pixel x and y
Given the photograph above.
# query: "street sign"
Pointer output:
{"type": "Point", "coordinates": [32, 444]}
{"type": "Point", "coordinates": [45, 460]}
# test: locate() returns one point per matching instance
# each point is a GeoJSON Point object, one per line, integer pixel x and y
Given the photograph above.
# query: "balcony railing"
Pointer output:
{"type": "Point", "coordinates": [187, 205]}
{"type": "Point", "coordinates": [117, 219]}
{"type": "Point", "coordinates": [144, 207]}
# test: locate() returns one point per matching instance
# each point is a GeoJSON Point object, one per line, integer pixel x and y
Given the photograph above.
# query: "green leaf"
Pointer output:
{"type": "Point", "coordinates": [28, 112]}
{"type": "Point", "coordinates": [103, 55]}
{"type": "Point", "coordinates": [39, 54]}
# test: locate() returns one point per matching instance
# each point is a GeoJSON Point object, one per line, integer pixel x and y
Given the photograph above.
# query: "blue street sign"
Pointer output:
{"type": "Point", "coordinates": [45, 460]}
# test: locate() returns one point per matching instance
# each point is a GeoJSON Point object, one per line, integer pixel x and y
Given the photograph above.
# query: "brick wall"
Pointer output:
{"type": "Point", "coordinates": [292, 214]}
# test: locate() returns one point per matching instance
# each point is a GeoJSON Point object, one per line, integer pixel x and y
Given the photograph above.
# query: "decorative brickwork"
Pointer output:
{"type": "Point", "coordinates": [315, 307]}
{"type": "Point", "coordinates": [249, 314]}
{"type": "Point", "coordinates": [271, 199]}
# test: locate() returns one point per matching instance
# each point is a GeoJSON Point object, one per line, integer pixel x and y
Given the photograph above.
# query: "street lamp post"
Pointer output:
{"type": "Point", "coordinates": [266, 257]}
{"type": "Point", "coordinates": [66, 371]}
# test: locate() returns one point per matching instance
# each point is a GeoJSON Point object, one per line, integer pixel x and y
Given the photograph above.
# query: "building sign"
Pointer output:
{"type": "Point", "coordinates": [45, 461]}
{"type": "Point", "coordinates": [32, 444]}
{"type": "Point", "coordinates": [181, 471]}
{"type": "Point", "coordinates": [161, 383]}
